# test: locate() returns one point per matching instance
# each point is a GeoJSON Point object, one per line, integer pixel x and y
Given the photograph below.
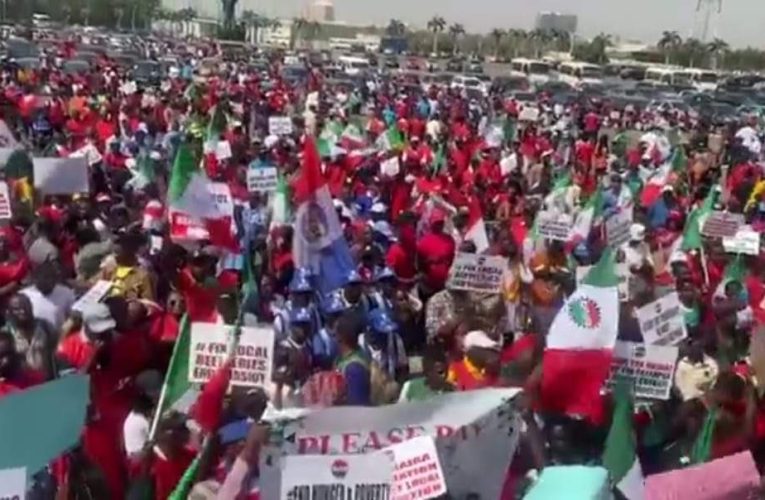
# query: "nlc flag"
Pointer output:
{"type": "Point", "coordinates": [318, 242]}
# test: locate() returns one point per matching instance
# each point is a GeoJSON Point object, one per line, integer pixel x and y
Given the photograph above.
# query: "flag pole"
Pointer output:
{"type": "Point", "coordinates": [163, 392]}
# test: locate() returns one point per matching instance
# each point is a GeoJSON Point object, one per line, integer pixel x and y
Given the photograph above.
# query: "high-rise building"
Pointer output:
{"type": "Point", "coordinates": [555, 21]}
{"type": "Point", "coordinates": [321, 11]}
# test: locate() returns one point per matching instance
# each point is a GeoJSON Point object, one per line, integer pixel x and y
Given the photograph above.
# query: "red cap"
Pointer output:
{"type": "Point", "coordinates": [437, 215]}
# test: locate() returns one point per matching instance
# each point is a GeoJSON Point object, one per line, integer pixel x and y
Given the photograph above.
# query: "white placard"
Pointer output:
{"type": "Point", "coordinates": [554, 226]}
{"type": "Point", "coordinates": [477, 273]}
{"type": "Point", "coordinates": [722, 224]}
{"type": "Point", "coordinates": [622, 272]}
{"type": "Point", "coordinates": [661, 321]}
{"type": "Point", "coordinates": [390, 167]}
{"type": "Point", "coordinates": [417, 473]}
{"type": "Point", "coordinates": [223, 150]}
{"type": "Point", "coordinates": [224, 202]}
{"type": "Point", "coordinates": [746, 241]}
{"type": "Point", "coordinates": [13, 484]}
{"type": "Point", "coordinates": [93, 296]}
{"type": "Point", "coordinates": [253, 360]}
{"type": "Point", "coordinates": [529, 114]}
{"type": "Point", "coordinates": [279, 125]}
{"type": "Point", "coordinates": [61, 175]}
{"type": "Point", "coordinates": [618, 228]}
{"type": "Point", "coordinates": [647, 368]}
{"type": "Point", "coordinates": [312, 477]}
{"type": "Point", "coordinates": [5, 202]}
{"type": "Point", "coordinates": [262, 179]}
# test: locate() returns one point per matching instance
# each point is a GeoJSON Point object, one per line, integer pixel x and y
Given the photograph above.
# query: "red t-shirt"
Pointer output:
{"type": "Point", "coordinates": [201, 300]}
{"type": "Point", "coordinates": [167, 472]}
{"type": "Point", "coordinates": [25, 379]}
{"type": "Point", "coordinates": [401, 261]}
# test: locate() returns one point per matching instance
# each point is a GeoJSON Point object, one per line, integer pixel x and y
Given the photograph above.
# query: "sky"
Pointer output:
{"type": "Point", "coordinates": [740, 23]}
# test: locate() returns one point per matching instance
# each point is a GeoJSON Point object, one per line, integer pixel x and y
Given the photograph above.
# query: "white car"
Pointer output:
{"type": "Point", "coordinates": [462, 82]}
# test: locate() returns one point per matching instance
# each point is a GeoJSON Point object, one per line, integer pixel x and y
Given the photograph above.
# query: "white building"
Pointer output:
{"type": "Point", "coordinates": [321, 11]}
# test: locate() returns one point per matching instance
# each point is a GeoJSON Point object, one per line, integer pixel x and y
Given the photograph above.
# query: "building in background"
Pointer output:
{"type": "Point", "coordinates": [321, 11]}
{"type": "Point", "coordinates": [556, 22]}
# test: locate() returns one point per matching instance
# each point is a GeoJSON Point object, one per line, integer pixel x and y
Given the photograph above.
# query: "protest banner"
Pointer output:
{"type": "Point", "coordinates": [746, 241]}
{"type": "Point", "coordinates": [476, 273]}
{"type": "Point", "coordinates": [648, 369]}
{"type": "Point", "coordinates": [417, 473]}
{"type": "Point", "coordinates": [622, 272]}
{"type": "Point", "coordinates": [722, 224]}
{"type": "Point", "coordinates": [94, 295]}
{"type": "Point", "coordinates": [560, 481]}
{"type": "Point", "coordinates": [618, 228]}
{"type": "Point", "coordinates": [279, 125]}
{"type": "Point", "coordinates": [29, 434]}
{"type": "Point", "coordinates": [5, 201]}
{"type": "Point", "coordinates": [734, 477]}
{"type": "Point", "coordinates": [313, 477]}
{"type": "Point", "coordinates": [61, 175]}
{"type": "Point", "coordinates": [13, 484]}
{"type": "Point", "coordinates": [661, 321]}
{"type": "Point", "coordinates": [475, 432]}
{"type": "Point", "coordinates": [553, 226]}
{"type": "Point", "coordinates": [209, 351]}
{"type": "Point", "coordinates": [262, 179]}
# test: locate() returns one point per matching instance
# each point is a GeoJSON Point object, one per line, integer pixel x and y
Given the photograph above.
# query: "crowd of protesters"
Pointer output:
{"type": "Point", "coordinates": [394, 331]}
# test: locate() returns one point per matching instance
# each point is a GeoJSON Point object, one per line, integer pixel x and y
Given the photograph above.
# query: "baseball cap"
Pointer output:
{"type": "Point", "coordinates": [637, 232]}
{"type": "Point", "coordinates": [479, 338]}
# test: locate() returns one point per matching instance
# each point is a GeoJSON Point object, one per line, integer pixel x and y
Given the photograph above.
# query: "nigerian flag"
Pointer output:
{"type": "Point", "coordinates": [619, 456]}
{"type": "Point", "coordinates": [176, 382]}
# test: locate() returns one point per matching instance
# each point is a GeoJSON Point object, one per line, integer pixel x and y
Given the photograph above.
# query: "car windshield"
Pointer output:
{"type": "Point", "coordinates": [591, 72]}
{"type": "Point", "coordinates": [539, 68]}
{"type": "Point", "coordinates": [708, 78]}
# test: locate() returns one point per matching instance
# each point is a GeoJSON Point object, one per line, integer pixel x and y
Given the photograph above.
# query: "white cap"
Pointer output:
{"type": "Point", "coordinates": [637, 232]}
{"type": "Point", "coordinates": [479, 338]}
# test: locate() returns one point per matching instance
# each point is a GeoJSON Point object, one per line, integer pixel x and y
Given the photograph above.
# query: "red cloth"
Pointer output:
{"type": "Point", "coordinates": [167, 472]}
{"type": "Point", "coordinates": [201, 301]}
{"type": "Point", "coordinates": [25, 379]}
{"type": "Point", "coordinates": [435, 251]}
{"type": "Point", "coordinates": [400, 260]}
{"type": "Point", "coordinates": [209, 404]}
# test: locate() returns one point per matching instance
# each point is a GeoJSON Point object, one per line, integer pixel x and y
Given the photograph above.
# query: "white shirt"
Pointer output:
{"type": "Point", "coordinates": [135, 432]}
{"type": "Point", "coordinates": [54, 307]}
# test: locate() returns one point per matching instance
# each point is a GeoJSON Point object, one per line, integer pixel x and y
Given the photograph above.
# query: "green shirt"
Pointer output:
{"type": "Point", "coordinates": [416, 390]}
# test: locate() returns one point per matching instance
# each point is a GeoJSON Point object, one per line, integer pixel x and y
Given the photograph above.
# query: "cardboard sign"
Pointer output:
{"type": "Point", "coordinates": [734, 477]}
{"type": "Point", "coordinates": [223, 150]}
{"type": "Point", "coordinates": [254, 354]}
{"type": "Point", "coordinates": [745, 241]}
{"type": "Point", "coordinates": [13, 483]}
{"type": "Point", "coordinates": [279, 125]}
{"type": "Point", "coordinates": [61, 175]}
{"type": "Point", "coordinates": [722, 224]}
{"type": "Point", "coordinates": [94, 295]}
{"type": "Point", "coordinates": [618, 228]}
{"type": "Point", "coordinates": [185, 228]}
{"type": "Point", "coordinates": [647, 368]}
{"type": "Point", "coordinates": [622, 272]}
{"type": "Point", "coordinates": [476, 434]}
{"type": "Point", "coordinates": [390, 167]}
{"type": "Point", "coordinates": [262, 179]}
{"type": "Point", "coordinates": [662, 322]}
{"type": "Point", "coordinates": [553, 226]}
{"type": "Point", "coordinates": [224, 202]}
{"type": "Point", "coordinates": [417, 473]}
{"type": "Point", "coordinates": [529, 114]}
{"type": "Point", "coordinates": [350, 476]}
{"type": "Point", "coordinates": [476, 273]}
{"type": "Point", "coordinates": [5, 202]}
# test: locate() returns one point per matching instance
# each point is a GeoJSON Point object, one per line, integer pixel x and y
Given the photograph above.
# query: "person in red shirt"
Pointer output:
{"type": "Point", "coordinates": [171, 456]}
{"type": "Point", "coordinates": [14, 374]}
{"type": "Point", "coordinates": [399, 256]}
{"type": "Point", "coordinates": [435, 253]}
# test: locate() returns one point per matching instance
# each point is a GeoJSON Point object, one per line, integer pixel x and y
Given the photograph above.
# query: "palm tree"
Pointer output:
{"type": "Point", "coordinates": [298, 25]}
{"type": "Point", "coordinates": [497, 35]}
{"type": "Point", "coordinates": [669, 42]}
{"type": "Point", "coordinates": [717, 48]}
{"type": "Point", "coordinates": [695, 51]}
{"type": "Point", "coordinates": [436, 26]}
{"type": "Point", "coordinates": [456, 30]}
{"type": "Point", "coordinates": [395, 28]}
{"type": "Point", "coordinates": [599, 45]}
{"type": "Point", "coordinates": [539, 39]}
{"type": "Point", "coordinates": [517, 40]}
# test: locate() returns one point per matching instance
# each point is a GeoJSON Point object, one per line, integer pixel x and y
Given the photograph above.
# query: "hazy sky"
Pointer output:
{"type": "Point", "coordinates": [741, 23]}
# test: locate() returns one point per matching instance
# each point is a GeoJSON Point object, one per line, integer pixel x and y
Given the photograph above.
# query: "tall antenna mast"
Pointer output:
{"type": "Point", "coordinates": [707, 14]}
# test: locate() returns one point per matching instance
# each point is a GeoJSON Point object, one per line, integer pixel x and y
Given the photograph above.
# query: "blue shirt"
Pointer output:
{"type": "Point", "coordinates": [658, 214]}
{"type": "Point", "coordinates": [357, 384]}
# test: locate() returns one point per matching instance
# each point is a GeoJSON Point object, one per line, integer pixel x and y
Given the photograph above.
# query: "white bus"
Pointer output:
{"type": "Point", "coordinates": [668, 76]}
{"type": "Point", "coordinates": [353, 65]}
{"type": "Point", "coordinates": [704, 80]}
{"type": "Point", "coordinates": [535, 70]}
{"type": "Point", "coordinates": [578, 73]}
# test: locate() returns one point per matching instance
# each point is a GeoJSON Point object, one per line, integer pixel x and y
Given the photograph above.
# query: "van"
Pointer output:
{"type": "Point", "coordinates": [464, 82]}
{"type": "Point", "coordinates": [353, 66]}
{"type": "Point", "coordinates": [704, 80]}
{"type": "Point", "coordinates": [577, 74]}
{"type": "Point", "coordinates": [536, 71]}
